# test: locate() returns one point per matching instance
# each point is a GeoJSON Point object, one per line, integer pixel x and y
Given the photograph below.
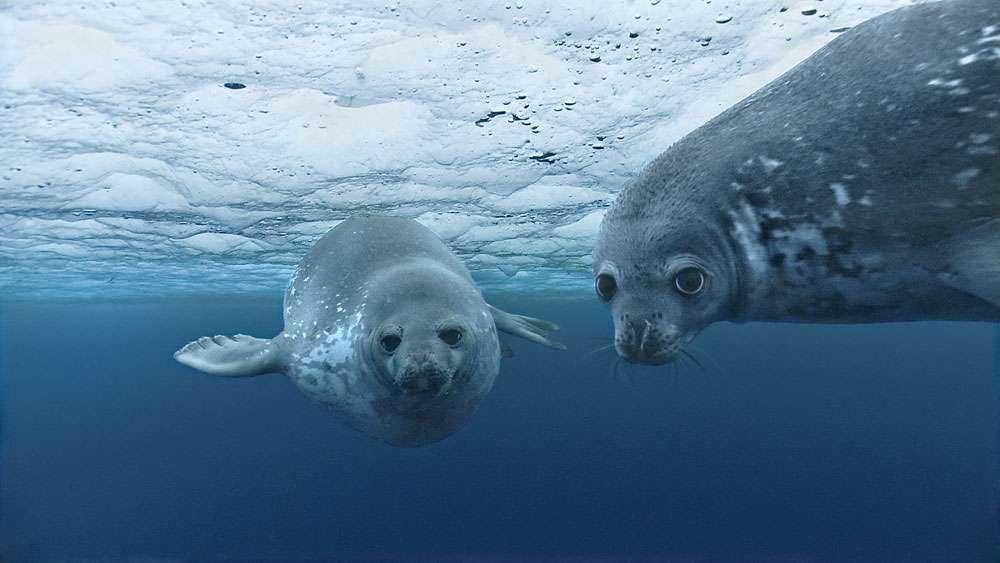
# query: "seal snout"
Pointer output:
{"type": "Point", "coordinates": [643, 342]}
{"type": "Point", "coordinates": [423, 376]}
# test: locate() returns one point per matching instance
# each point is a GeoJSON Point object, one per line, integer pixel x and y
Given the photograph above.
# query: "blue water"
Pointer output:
{"type": "Point", "coordinates": [794, 442]}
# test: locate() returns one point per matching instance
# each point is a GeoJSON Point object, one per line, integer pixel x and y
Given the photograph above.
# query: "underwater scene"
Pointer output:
{"type": "Point", "coordinates": [649, 281]}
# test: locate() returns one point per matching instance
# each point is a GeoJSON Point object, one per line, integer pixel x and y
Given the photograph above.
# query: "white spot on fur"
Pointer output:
{"type": "Point", "coordinates": [840, 194]}
{"type": "Point", "coordinates": [949, 84]}
{"type": "Point", "coordinates": [990, 38]}
{"type": "Point", "coordinates": [341, 343]}
{"type": "Point", "coordinates": [963, 178]}
{"type": "Point", "coordinates": [746, 231]}
{"type": "Point", "coordinates": [980, 150]}
{"type": "Point", "coordinates": [806, 234]}
{"type": "Point", "coordinates": [770, 164]}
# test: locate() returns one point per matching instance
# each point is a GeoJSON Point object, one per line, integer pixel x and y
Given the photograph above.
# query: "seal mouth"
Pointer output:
{"type": "Point", "coordinates": [650, 361]}
{"type": "Point", "coordinates": [642, 342]}
{"type": "Point", "coordinates": [647, 356]}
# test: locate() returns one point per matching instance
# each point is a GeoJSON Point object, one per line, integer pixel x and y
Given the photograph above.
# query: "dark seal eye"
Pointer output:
{"type": "Point", "coordinates": [450, 336]}
{"type": "Point", "coordinates": [390, 342]}
{"type": "Point", "coordinates": [606, 286]}
{"type": "Point", "coordinates": [690, 281]}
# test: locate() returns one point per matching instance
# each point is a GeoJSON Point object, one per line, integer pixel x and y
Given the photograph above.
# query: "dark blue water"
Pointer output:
{"type": "Point", "coordinates": [794, 443]}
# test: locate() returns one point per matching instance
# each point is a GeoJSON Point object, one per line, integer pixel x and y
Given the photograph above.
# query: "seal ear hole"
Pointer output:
{"type": "Point", "coordinates": [450, 336]}
{"type": "Point", "coordinates": [390, 342]}
{"type": "Point", "coordinates": [690, 281]}
{"type": "Point", "coordinates": [606, 286]}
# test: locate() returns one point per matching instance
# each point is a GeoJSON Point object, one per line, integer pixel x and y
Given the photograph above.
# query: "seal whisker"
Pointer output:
{"type": "Point", "coordinates": [600, 349]}
{"type": "Point", "coordinates": [686, 355]}
{"type": "Point", "coordinates": [623, 373]}
{"type": "Point", "coordinates": [584, 359]}
{"type": "Point", "coordinates": [617, 360]}
{"type": "Point", "coordinates": [699, 354]}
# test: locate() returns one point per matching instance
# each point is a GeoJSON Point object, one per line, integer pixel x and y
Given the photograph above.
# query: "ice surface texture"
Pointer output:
{"type": "Point", "coordinates": [203, 147]}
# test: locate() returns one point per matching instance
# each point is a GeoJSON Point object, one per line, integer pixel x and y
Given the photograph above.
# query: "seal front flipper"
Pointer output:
{"type": "Point", "coordinates": [236, 356]}
{"type": "Point", "coordinates": [528, 328]}
{"type": "Point", "coordinates": [975, 262]}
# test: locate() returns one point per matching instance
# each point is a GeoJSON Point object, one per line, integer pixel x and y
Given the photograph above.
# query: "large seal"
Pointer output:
{"type": "Point", "coordinates": [861, 186]}
{"type": "Point", "coordinates": [383, 325]}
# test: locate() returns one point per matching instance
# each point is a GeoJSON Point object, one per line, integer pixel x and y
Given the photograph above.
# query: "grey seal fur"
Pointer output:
{"type": "Point", "coordinates": [385, 327]}
{"type": "Point", "coordinates": [863, 185]}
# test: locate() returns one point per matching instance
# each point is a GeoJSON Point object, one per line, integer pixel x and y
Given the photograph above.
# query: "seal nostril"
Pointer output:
{"type": "Point", "coordinates": [639, 329]}
{"type": "Point", "coordinates": [641, 340]}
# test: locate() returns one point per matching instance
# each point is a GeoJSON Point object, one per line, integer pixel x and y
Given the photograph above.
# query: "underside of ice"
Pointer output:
{"type": "Point", "coordinates": [153, 148]}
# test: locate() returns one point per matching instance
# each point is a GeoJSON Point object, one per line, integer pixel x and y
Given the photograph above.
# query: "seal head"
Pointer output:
{"type": "Point", "coordinates": [429, 349]}
{"type": "Point", "coordinates": [426, 344]}
{"type": "Point", "coordinates": [663, 281]}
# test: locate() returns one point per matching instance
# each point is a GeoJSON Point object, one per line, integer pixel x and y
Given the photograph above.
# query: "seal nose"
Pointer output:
{"type": "Point", "coordinates": [640, 342]}
{"type": "Point", "coordinates": [422, 375]}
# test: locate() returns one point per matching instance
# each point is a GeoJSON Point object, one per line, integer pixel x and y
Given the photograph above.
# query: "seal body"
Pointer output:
{"type": "Point", "coordinates": [861, 186]}
{"type": "Point", "coordinates": [385, 327]}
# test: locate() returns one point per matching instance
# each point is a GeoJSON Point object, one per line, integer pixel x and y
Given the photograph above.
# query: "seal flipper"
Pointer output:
{"type": "Point", "coordinates": [236, 356]}
{"type": "Point", "coordinates": [975, 262]}
{"type": "Point", "coordinates": [528, 328]}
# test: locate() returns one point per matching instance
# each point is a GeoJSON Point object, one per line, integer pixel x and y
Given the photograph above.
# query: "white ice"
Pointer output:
{"type": "Point", "coordinates": [127, 167]}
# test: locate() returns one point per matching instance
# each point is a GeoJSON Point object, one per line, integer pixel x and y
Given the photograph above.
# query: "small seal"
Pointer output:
{"type": "Point", "coordinates": [863, 185]}
{"type": "Point", "coordinates": [385, 327]}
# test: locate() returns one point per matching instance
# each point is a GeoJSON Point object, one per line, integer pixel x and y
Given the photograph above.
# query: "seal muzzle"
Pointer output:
{"type": "Point", "coordinates": [423, 375]}
{"type": "Point", "coordinates": [643, 342]}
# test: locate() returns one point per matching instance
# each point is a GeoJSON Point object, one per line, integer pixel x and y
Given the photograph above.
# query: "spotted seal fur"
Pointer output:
{"type": "Point", "coordinates": [863, 185]}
